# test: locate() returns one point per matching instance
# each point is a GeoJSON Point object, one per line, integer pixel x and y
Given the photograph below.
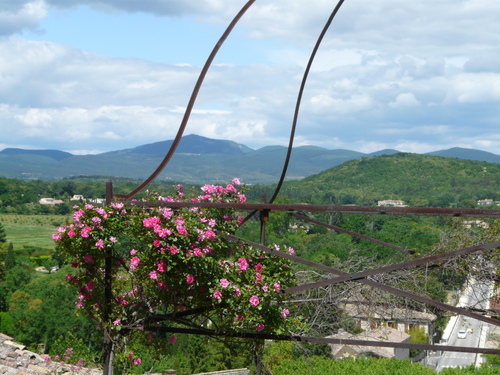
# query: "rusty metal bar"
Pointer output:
{"type": "Point", "coordinates": [190, 105]}
{"type": "Point", "coordinates": [109, 192]}
{"type": "Point", "coordinates": [417, 211]}
{"type": "Point", "coordinates": [396, 266]}
{"type": "Point", "coordinates": [318, 340]}
{"type": "Point", "coordinates": [353, 234]}
{"type": "Point", "coordinates": [299, 98]}
{"type": "Point", "coordinates": [390, 289]}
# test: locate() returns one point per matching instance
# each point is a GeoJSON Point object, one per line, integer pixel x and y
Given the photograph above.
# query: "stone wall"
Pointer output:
{"type": "Point", "coordinates": [241, 371]}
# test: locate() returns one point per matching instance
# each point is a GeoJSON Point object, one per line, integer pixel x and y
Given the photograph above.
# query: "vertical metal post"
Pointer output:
{"type": "Point", "coordinates": [109, 192]}
{"type": "Point", "coordinates": [264, 216]}
{"type": "Point", "coordinates": [108, 295]}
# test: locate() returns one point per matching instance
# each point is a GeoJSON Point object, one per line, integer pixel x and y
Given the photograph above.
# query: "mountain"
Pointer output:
{"type": "Point", "coordinates": [53, 154]}
{"type": "Point", "coordinates": [190, 144]}
{"type": "Point", "coordinates": [417, 179]}
{"type": "Point", "coordinates": [196, 160]}
{"type": "Point", "coordinates": [468, 154]}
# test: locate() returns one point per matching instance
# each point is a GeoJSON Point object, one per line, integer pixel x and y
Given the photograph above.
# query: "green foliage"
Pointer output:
{"type": "Point", "coordinates": [10, 259]}
{"type": "Point", "coordinates": [418, 336]}
{"type": "Point", "coordinates": [6, 324]}
{"type": "Point", "coordinates": [3, 235]}
{"type": "Point", "coordinates": [369, 366]}
{"type": "Point", "coordinates": [71, 349]}
{"type": "Point", "coordinates": [17, 277]}
{"type": "Point", "coordinates": [416, 179]}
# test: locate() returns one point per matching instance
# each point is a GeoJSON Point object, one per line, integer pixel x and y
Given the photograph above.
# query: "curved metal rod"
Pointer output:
{"type": "Point", "coordinates": [189, 108]}
{"type": "Point", "coordinates": [299, 99]}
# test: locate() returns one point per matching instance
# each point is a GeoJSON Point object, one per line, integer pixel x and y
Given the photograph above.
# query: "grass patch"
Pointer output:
{"type": "Point", "coordinates": [32, 230]}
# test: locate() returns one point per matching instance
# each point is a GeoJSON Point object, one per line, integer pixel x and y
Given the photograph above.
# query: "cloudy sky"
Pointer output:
{"type": "Point", "coordinates": [88, 76]}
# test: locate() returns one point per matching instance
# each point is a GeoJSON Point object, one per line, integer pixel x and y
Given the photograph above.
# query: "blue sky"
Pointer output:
{"type": "Point", "coordinates": [89, 76]}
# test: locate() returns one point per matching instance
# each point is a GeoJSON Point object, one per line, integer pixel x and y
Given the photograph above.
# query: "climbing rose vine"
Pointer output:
{"type": "Point", "coordinates": [171, 260]}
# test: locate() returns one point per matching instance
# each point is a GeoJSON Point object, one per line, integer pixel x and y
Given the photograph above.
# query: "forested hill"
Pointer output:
{"type": "Point", "coordinates": [419, 180]}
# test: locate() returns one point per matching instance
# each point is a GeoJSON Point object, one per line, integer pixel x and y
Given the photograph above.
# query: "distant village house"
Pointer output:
{"type": "Point", "coordinates": [487, 202]}
{"type": "Point", "coordinates": [391, 203]}
{"type": "Point", "coordinates": [50, 201]}
{"type": "Point", "coordinates": [369, 317]}
{"type": "Point", "coordinates": [386, 334]}
{"type": "Point", "coordinates": [81, 198]}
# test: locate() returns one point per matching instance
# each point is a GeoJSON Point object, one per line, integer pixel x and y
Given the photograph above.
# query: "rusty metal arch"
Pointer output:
{"type": "Point", "coordinates": [264, 208]}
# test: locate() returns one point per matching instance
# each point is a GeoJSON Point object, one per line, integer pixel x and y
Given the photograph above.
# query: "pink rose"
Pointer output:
{"type": "Point", "coordinates": [254, 301]}
{"type": "Point", "coordinates": [190, 279]}
{"type": "Point", "coordinates": [134, 262]}
{"type": "Point", "coordinates": [162, 267]}
{"type": "Point", "coordinates": [243, 264]}
{"type": "Point", "coordinates": [217, 294]}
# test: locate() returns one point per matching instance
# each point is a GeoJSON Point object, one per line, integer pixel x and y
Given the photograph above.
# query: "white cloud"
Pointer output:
{"type": "Point", "coordinates": [22, 15]}
{"type": "Point", "coordinates": [389, 74]}
{"type": "Point", "coordinates": [404, 100]}
{"type": "Point", "coordinates": [158, 7]}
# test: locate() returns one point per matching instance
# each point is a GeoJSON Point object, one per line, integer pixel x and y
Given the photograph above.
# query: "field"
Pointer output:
{"type": "Point", "coordinates": [32, 230]}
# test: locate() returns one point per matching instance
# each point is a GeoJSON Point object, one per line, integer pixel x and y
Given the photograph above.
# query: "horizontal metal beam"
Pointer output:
{"type": "Point", "coordinates": [318, 340]}
{"type": "Point", "coordinates": [422, 211]}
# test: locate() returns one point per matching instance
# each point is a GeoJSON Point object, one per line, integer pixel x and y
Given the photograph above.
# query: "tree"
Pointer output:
{"type": "Point", "coordinates": [10, 259]}
{"type": "Point", "coordinates": [154, 268]}
{"type": "Point", "coordinates": [17, 277]}
{"type": "Point", "coordinates": [3, 234]}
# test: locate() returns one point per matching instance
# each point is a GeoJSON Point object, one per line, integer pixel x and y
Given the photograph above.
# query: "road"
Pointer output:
{"type": "Point", "coordinates": [477, 295]}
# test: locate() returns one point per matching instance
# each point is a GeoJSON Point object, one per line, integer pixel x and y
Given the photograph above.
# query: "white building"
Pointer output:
{"type": "Point", "coordinates": [50, 201]}
{"type": "Point", "coordinates": [391, 203]}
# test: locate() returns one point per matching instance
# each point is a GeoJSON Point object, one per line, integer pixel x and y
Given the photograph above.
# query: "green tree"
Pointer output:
{"type": "Point", "coordinates": [17, 277]}
{"type": "Point", "coordinates": [26, 317]}
{"type": "Point", "coordinates": [3, 234]}
{"type": "Point", "coordinates": [10, 259]}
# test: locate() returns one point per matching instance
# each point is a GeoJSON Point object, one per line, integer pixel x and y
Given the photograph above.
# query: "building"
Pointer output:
{"type": "Point", "coordinates": [387, 334]}
{"type": "Point", "coordinates": [391, 203]}
{"type": "Point", "coordinates": [487, 202]}
{"type": "Point", "coordinates": [50, 201]}
{"type": "Point", "coordinates": [81, 198]}
{"type": "Point", "coordinates": [373, 316]}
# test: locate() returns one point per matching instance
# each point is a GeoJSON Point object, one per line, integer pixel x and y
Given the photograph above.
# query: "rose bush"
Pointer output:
{"type": "Point", "coordinates": [171, 260]}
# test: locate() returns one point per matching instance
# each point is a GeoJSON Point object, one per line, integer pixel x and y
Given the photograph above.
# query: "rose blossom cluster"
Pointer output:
{"type": "Point", "coordinates": [167, 259]}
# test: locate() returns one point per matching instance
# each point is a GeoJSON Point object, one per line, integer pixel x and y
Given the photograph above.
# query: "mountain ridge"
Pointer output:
{"type": "Point", "coordinates": [197, 160]}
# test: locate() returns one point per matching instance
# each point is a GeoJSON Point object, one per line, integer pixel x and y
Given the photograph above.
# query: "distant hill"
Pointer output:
{"type": "Point", "coordinates": [468, 154]}
{"type": "Point", "coordinates": [196, 160]}
{"type": "Point", "coordinates": [53, 154]}
{"type": "Point", "coordinates": [419, 180]}
{"type": "Point", "coordinates": [190, 144]}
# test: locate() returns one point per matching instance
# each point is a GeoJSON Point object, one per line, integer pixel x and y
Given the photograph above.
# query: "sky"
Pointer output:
{"type": "Point", "coordinates": [90, 76]}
